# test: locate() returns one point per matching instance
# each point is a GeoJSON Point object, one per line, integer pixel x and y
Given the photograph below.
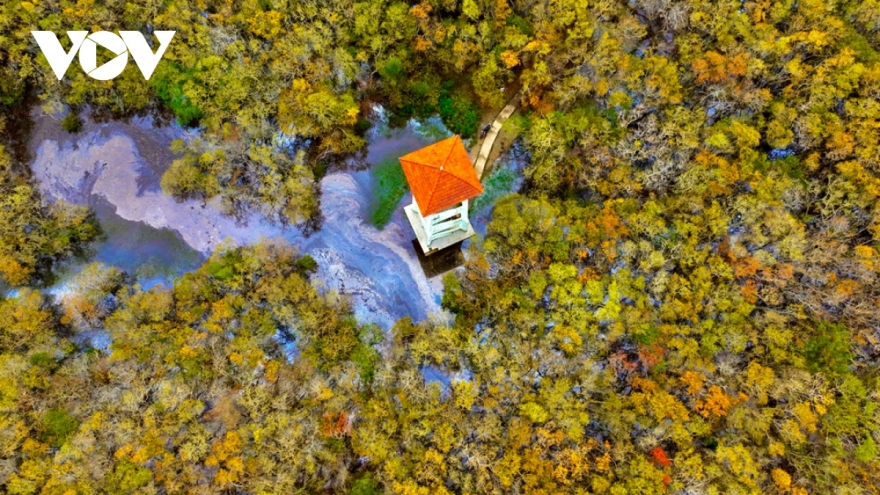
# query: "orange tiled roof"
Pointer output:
{"type": "Point", "coordinates": [440, 175]}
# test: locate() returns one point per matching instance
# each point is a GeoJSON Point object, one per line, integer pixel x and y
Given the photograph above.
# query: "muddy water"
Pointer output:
{"type": "Point", "coordinates": [115, 167]}
{"type": "Point", "coordinates": [139, 249]}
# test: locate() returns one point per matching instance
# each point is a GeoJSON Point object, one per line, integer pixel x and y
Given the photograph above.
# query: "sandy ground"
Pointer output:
{"type": "Point", "coordinates": [120, 164]}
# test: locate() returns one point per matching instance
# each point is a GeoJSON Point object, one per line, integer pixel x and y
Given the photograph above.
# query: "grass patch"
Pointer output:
{"type": "Point", "coordinates": [497, 185]}
{"type": "Point", "coordinates": [389, 186]}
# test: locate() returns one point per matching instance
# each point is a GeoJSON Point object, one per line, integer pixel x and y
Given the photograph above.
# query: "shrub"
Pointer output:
{"type": "Point", "coordinates": [533, 412]}
{"type": "Point", "coordinates": [365, 486]}
{"type": "Point", "coordinates": [829, 349]}
{"type": "Point", "coordinates": [71, 123]}
{"type": "Point", "coordinates": [11, 90]}
{"type": "Point", "coordinates": [168, 83]}
{"type": "Point", "coordinates": [58, 426]}
{"type": "Point", "coordinates": [460, 114]}
{"type": "Point", "coordinates": [306, 265]}
{"type": "Point", "coordinates": [392, 69]}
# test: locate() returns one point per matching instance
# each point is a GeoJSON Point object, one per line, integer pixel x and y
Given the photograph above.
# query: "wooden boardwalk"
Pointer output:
{"type": "Point", "coordinates": [479, 165]}
{"type": "Point", "coordinates": [486, 148]}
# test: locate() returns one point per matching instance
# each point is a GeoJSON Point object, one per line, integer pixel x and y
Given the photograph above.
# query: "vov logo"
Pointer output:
{"type": "Point", "coordinates": [123, 44]}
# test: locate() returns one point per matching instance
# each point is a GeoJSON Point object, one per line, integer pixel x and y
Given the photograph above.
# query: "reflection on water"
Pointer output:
{"type": "Point", "coordinates": [153, 256]}
{"type": "Point", "coordinates": [139, 249]}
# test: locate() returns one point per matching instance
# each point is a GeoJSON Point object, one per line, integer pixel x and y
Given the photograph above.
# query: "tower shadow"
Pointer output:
{"type": "Point", "coordinates": [441, 261]}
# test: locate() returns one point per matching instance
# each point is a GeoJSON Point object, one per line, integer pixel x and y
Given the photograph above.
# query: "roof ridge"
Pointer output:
{"type": "Point", "coordinates": [451, 147]}
{"type": "Point", "coordinates": [459, 179]}
{"type": "Point", "coordinates": [470, 164]}
{"type": "Point", "coordinates": [421, 160]}
{"type": "Point", "coordinates": [455, 139]}
{"type": "Point", "coordinates": [434, 190]}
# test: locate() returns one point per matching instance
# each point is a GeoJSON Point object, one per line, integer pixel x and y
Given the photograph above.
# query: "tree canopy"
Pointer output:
{"type": "Point", "coordinates": [682, 298]}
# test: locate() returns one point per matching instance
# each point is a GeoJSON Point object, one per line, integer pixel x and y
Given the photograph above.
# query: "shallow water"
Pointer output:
{"type": "Point", "coordinates": [139, 249]}
{"type": "Point", "coordinates": [115, 167]}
